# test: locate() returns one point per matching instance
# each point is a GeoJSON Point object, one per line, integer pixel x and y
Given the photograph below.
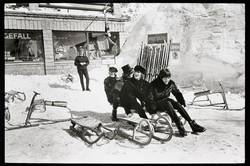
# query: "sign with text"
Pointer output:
{"type": "Point", "coordinates": [175, 47]}
{"type": "Point", "coordinates": [157, 38]}
{"type": "Point", "coordinates": [17, 36]}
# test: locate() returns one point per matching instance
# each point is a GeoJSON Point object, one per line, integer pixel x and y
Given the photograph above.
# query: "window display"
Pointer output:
{"type": "Point", "coordinates": [67, 44]}
{"type": "Point", "coordinates": [102, 45]}
{"type": "Point", "coordinates": [23, 46]}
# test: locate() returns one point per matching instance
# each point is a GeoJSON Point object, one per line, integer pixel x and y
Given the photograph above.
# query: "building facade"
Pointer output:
{"type": "Point", "coordinates": [45, 38]}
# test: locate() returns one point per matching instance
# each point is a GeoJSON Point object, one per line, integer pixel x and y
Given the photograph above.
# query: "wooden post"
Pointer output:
{"type": "Point", "coordinates": [168, 52]}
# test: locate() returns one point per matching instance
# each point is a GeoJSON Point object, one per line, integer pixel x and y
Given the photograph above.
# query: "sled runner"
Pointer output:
{"type": "Point", "coordinates": [44, 103]}
{"type": "Point", "coordinates": [91, 130]}
{"type": "Point", "coordinates": [140, 131]}
{"type": "Point", "coordinates": [143, 130]}
{"type": "Point", "coordinates": [183, 121]}
{"type": "Point", "coordinates": [163, 130]}
{"type": "Point", "coordinates": [19, 126]}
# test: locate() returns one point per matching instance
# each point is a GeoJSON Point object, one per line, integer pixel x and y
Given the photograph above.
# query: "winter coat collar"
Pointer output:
{"type": "Point", "coordinates": [159, 84]}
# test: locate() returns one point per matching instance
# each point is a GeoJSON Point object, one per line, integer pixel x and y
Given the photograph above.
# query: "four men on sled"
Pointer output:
{"type": "Point", "coordinates": [133, 92]}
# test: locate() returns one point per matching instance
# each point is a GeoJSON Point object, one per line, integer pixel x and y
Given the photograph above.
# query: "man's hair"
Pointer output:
{"type": "Point", "coordinates": [164, 73]}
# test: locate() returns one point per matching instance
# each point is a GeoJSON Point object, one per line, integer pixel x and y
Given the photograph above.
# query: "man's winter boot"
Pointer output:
{"type": "Point", "coordinates": [195, 127]}
{"type": "Point", "coordinates": [181, 129]}
{"type": "Point", "coordinates": [114, 115]}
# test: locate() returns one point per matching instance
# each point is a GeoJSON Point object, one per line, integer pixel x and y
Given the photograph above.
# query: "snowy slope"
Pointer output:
{"type": "Point", "coordinates": [212, 38]}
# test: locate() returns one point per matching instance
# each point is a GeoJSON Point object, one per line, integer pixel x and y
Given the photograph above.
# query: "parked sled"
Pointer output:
{"type": "Point", "coordinates": [208, 92]}
{"type": "Point", "coordinates": [91, 130]}
{"type": "Point", "coordinates": [32, 107]}
{"type": "Point", "coordinates": [44, 103]}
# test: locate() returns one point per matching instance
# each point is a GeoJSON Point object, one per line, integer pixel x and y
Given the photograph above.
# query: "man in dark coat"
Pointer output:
{"type": "Point", "coordinates": [158, 99]}
{"type": "Point", "coordinates": [81, 62]}
{"type": "Point", "coordinates": [126, 75]}
{"type": "Point", "coordinates": [109, 83]}
{"type": "Point", "coordinates": [134, 89]}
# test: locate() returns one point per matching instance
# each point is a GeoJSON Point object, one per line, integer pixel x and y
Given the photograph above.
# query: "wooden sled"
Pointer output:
{"type": "Point", "coordinates": [44, 103]}
{"type": "Point", "coordinates": [144, 130]}
{"type": "Point", "coordinates": [91, 130]}
{"type": "Point", "coordinates": [206, 93]}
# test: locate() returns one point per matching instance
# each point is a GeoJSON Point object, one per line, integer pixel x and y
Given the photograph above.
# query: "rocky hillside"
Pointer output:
{"type": "Point", "coordinates": [212, 38]}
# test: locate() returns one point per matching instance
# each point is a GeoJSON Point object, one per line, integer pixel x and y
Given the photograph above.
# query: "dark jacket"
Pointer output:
{"type": "Point", "coordinates": [141, 88]}
{"type": "Point", "coordinates": [120, 83]}
{"type": "Point", "coordinates": [109, 84]}
{"type": "Point", "coordinates": [133, 89]}
{"type": "Point", "coordinates": [158, 90]}
{"type": "Point", "coordinates": [79, 59]}
{"type": "Point", "coordinates": [116, 91]}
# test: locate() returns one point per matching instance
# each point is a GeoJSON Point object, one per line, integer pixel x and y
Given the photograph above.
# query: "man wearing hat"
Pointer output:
{"type": "Point", "coordinates": [158, 99]}
{"type": "Point", "coordinates": [134, 89]}
{"type": "Point", "coordinates": [109, 83]}
{"type": "Point", "coordinates": [127, 71]}
{"type": "Point", "coordinates": [115, 92]}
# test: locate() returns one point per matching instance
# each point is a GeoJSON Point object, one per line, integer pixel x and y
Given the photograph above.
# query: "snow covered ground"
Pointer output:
{"type": "Point", "coordinates": [223, 142]}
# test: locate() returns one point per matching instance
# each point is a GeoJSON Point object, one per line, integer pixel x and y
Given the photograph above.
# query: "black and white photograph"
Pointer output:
{"type": "Point", "coordinates": [127, 83]}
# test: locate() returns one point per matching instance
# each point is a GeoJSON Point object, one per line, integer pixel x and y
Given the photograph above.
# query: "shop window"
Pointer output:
{"type": "Point", "coordinates": [100, 44]}
{"type": "Point", "coordinates": [23, 46]}
{"type": "Point", "coordinates": [66, 44]}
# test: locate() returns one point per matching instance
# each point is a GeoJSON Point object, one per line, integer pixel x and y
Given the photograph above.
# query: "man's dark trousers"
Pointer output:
{"type": "Point", "coordinates": [86, 74]}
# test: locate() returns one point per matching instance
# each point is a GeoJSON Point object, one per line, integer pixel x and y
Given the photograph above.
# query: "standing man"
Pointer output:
{"type": "Point", "coordinates": [109, 83]}
{"type": "Point", "coordinates": [81, 62]}
{"type": "Point", "coordinates": [158, 99]}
